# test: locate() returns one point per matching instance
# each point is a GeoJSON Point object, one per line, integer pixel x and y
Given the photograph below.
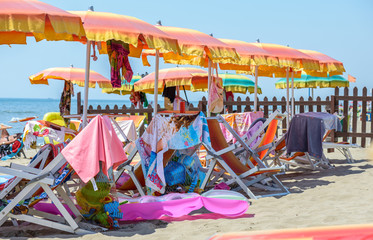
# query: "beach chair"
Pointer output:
{"type": "Point", "coordinates": [305, 160]}
{"type": "Point", "coordinates": [127, 167]}
{"type": "Point", "coordinates": [50, 179]}
{"type": "Point", "coordinates": [138, 120]}
{"type": "Point", "coordinates": [12, 148]}
{"type": "Point", "coordinates": [342, 147]}
{"type": "Point", "coordinates": [298, 159]}
{"type": "Point", "coordinates": [252, 173]}
{"type": "Point", "coordinates": [39, 161]}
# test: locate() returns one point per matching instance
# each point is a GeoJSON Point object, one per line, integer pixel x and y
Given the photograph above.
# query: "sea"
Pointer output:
{"type": "Point", "coordinates": [19, 108]}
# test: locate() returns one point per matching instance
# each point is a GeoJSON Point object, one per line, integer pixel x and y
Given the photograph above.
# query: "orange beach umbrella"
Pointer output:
{"type": "Point", "coordinates": [290, 60]}
{"type": "Point", "coordinates": [328, 65]}
{"type": "Point", "coordinates": [101, 27]}
{"type": "Point", "coordinates": [74, 75]}
{"type": "Point", "coordinates": [193, 79]}
{"type": "Point", "coordinates": [196, 48]}
{"type": "Point", "coordinates": [22, 18]}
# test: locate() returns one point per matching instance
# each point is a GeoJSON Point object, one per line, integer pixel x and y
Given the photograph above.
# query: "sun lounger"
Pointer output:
{"type": "Point", "coordinates": [244, 174]}
{"type": "Point", "coordinates": [343, 147]}
{"type": "Point", "coordinates": [138, 120]}
{"type": "Point", "coordinates": [50, 179]}
{"type": "Point", "coordinates": [303, 158]}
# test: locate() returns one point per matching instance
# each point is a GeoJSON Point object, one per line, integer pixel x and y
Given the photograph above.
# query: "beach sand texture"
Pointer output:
{"type": "Point", "coordinates": [338, 196]}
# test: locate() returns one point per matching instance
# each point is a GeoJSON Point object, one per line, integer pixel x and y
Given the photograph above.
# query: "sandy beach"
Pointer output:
{"type": "Point", "coordinates": [337, 196]}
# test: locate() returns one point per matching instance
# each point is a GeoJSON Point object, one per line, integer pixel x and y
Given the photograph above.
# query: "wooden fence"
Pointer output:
{"type": "Point", "coordinates": [357, 112]}
{"type": "Point", "coordinates": [355, 123]}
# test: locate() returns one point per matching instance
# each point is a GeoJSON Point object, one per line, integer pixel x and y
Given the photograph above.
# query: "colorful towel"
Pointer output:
{"type": "Point", "coordinates": [160, 136]}
{"type": "Point", "coordinates": [34, 129]}
{"type": "Point", "coordinates": [96, 142]}
{"type": "Point", "coordinates": [240, 122]}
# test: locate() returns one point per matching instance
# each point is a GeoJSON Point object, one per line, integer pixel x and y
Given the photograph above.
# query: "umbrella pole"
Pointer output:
{"type": "Point", "coordinates": [287, 98]}
{"type": "Point", "coordinates": [156, 81]}
{"type": "Point", "coordinates": [86, 82]}
{"type": "Point", "coordinates": [208, 85]}
{"type": "Point", "coordinates": [256, 90]}
{"type": "Point", "coordinates": [292, 94]}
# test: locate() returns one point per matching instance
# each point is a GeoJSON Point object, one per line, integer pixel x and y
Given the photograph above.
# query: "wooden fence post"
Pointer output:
{"type": "Point", "coordinates": [239, 105]}
{"type": "Point", "coordinates": [283, 109]}
{"type": "Point", "coordinates": [247, 105]}
{"type": "Point", "coordinates": [310, 105]}
{"type": "Point", "coordinates": [265, 107]}
{"type": "Point", "coordinates": [364, 117]}
{"type": "Point", "coordinates": [318, 107]}
{"type": "Point", "coordinates": [79, 103]}
{"type": "Point", "coordinates": [301, 105]}
{"type": "Point", "coordinates": [345, 114]}
{"type": "Point", "coordinates": [354, 114]}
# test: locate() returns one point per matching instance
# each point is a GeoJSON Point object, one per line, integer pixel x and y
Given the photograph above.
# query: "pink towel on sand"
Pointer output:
{"type": "Point", "coordinates": [96, 142]}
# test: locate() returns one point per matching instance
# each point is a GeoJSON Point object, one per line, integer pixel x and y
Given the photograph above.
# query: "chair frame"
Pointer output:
{"type": "Point", "coordinates": [43, 178]}
{"type": "Point", "coordinates": [267, 172]}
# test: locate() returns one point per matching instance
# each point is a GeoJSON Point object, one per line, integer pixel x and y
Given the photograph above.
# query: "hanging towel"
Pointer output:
{"type": "Point", "coordinates": [96, 143]}
{"type": "Point", "coordinates": [65, 102]}
{"type": "Point", "coordinates": [118, 57]}
{"type": "Point", "coordinates": [216, 101]}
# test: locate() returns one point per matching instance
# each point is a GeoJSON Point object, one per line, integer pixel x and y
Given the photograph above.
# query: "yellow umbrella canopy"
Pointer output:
{"type": "Point", "coordinates": [192, 79]}
{"type": "Point", "coordinates": [102, 26]}
{"type": "Point", "coordinates": [238, 83]}
{"type": "Point", "coordinates": [328, 65]}
{"type": "Point", "coordinates": [125, 89]}
{"type": "Point", "coordinates": [22, 18]}
{"type": "Point", "coordinates": [195, 47]}
{"type": "Point", "coordinates": [74, 75]}
{"type": "Point", "coordinates": [307, 81]}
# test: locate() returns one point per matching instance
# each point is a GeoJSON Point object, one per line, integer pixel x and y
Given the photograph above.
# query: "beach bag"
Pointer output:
{"type": "Point", "coordinates": [174, 173]}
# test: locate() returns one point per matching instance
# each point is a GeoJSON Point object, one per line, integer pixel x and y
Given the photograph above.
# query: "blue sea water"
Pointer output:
{"type": "Point", "coordinates": [25, 107]}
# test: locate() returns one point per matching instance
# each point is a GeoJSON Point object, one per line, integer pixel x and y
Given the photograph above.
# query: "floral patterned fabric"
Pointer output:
{"type": "Point", "coordinates": [161, 135]}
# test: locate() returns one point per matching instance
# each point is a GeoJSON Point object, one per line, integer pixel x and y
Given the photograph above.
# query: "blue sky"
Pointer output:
{"type": "Point", "coordinates": [340, 29]}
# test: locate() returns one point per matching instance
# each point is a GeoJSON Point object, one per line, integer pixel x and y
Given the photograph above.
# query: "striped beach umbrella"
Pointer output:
{"type": "Point", "coordinates": [291, 61]}
{"type": "Point", "coordinates": [193, 79]}
{"type": "Point", "coordinates": [71, 74]}
{"type": "Point", "coordinates": [307, 81]}
{"type": "Point", "coordinates": [238, 83]}
{"type": "Point", "coordinates": [101, 27]}
{"type": "Point", "coordinates": [328, 65]}
{"type": "Point", "coordinates": [125, 89]}
{"type": "Point", "coordinates": [22, 18]}
{"type": "Point", "coordinates": [196, 48]}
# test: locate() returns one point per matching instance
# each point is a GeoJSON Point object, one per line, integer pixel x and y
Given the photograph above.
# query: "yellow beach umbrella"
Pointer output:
{"type": "Point", "coordinates": [193, 79]}
{"type": "Point", "coordinates": [70, 74]}
{"type": "Point", "coordinates": [125, 89]}
{"type": "Point", "coordinates": [22, 18]}
{"type": "Point", "coordinates": [101, 27]}
{"type": "Point", "coordinates": [196, 48]}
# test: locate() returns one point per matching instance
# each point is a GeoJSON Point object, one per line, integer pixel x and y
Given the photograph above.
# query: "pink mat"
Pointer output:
{"type": "Point", "coordinates": [175, 205]}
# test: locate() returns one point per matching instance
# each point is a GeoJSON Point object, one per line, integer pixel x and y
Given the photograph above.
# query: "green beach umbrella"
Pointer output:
{"type": "Point", "coordinates": [126, 88]}
{"type": "Point", "coordinates": [307, 81]}
{"type": "Point", "coordinates": [238, 83]}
